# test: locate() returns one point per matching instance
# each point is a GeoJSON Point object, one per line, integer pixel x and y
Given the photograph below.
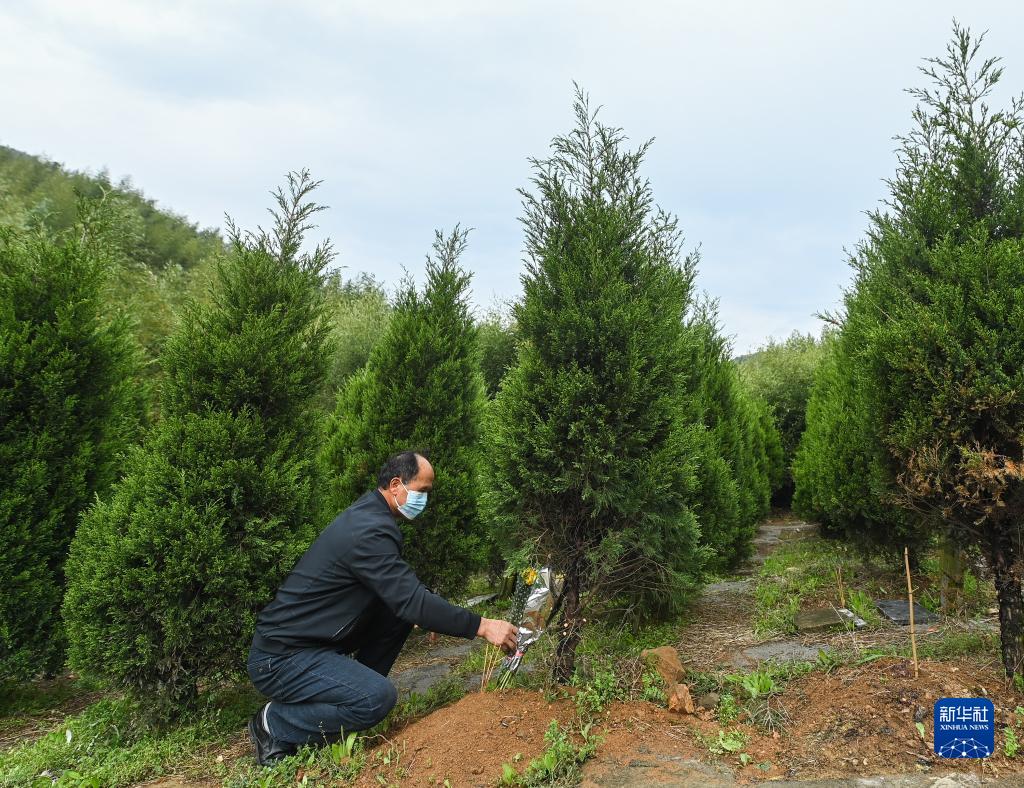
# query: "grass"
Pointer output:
{"type": "Point", "coordinates": [108, 744]}
{"type": "Point", "coordinates": [804, 572]}
{"type": "Point", "coordinates": [977, 597]}
{"type": "Point", "coordinates": [797, 572]}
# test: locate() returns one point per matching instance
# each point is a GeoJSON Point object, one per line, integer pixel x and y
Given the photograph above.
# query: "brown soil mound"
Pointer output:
{"type": "Point", "coordinates": [862, 719]}
{"type": "Point", "coordinates": [856, 721]}
{"type": "Point", "coordinates": [467, 743]}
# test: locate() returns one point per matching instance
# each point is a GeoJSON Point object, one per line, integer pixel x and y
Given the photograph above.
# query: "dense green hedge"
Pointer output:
{"type": "Point", "coordinates": [782, 374]}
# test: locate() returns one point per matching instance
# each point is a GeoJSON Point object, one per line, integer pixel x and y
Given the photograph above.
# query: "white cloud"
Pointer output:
{"type": "Point", "coordinates": [773, 122]}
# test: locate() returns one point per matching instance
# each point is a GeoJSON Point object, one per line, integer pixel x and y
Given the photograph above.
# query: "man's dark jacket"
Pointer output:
{"type": "Point", "coordinates": [353, 563]}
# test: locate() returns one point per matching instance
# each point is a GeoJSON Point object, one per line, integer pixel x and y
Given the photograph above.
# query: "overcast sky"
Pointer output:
{"type": "Point", "coordinates": [773, 121]}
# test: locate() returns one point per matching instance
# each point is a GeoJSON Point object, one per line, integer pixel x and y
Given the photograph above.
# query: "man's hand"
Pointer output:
{"type": "Point", "coordinates": [501, 633]}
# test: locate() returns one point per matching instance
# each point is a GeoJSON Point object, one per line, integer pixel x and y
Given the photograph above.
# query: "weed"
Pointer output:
{"type": "Point", "coordinates": [343, 749]}
{"type": "Point", "coordinates": [598, 692]}
{"type": "Point", "coordinates": [446, 691]}
{"type": "Point", "coordinates": [560, 763]}
{"type": "Point", "coordinates": [864, 606]}
{"type": "Point", "coordinates": [728, 712]}
{"type": "Point", "coordinates": [728, 742]}
{"type": "Point", "coordinates": [768, 713]}
{"type": "Point", "coordinates": [828, 661]}
{"type": "Point", "coordinates": [756, 684]}
{"type": "Point", "coordinates": [109, 743]}
{"type": "Point", "coordinates": [1011, 745]}
{"type": "Point", "coordinates": [653, 687]}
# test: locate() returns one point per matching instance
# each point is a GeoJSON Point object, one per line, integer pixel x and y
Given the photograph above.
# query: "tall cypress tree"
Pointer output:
{"type": "Point", "coordinates": [167, 572]}
{"type": "Point", "coordinates": [67, 410]}
{"type": "Point", "coordinates": [933, 323]}
{"type": "Point", "coordinates": [589, 457]}
{"type": "Point", "coordinates": [840, 469]}
{"type": "Point", "coordinates": [740, 452]}
{"type": "Point", "coordinates": [421, 389]}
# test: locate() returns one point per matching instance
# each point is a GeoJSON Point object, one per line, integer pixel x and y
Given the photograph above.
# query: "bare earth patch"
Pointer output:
{"type": "Point", "coordinates": [467, 742]}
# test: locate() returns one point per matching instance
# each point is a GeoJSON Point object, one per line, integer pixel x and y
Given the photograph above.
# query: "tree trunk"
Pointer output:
{"type": "Point", "coordinates": [565, 654]}
{"type": "Point", "coordinates": [1006, 569]}
{"type": "Point", "coordinates": [951, 582]}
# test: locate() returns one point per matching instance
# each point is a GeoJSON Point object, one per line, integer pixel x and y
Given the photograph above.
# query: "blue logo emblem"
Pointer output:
{"type": "Point", "coordinates": [965, 727]}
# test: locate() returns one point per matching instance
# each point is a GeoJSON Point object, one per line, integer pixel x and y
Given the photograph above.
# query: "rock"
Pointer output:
{"type": "Point", "coordinates": [920, 713]}
{"type": "Point", "coordinates": [709, 700]}
{"type": "Point", "coordinates": [665, 660]}
{"type": "Point", "coordinates": [679, 700]}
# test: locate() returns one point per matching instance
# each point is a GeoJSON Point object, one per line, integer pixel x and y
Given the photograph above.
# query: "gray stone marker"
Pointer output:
{"type": "Point", "coordinates": [825, 618]}
{"type": "Point", "coordinates": [478, 600]}
{"type": "Point", "coordinates": [898, 612]}
{"type": "Point", "coordinates": [784, 651]}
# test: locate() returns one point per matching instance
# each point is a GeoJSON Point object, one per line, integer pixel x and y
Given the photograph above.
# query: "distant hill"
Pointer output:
{"type": "Point", "coordinates": [36, 191]}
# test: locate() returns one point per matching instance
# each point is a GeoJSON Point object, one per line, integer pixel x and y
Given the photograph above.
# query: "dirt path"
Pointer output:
{"type": "Point", "coordinates": [721, 632]}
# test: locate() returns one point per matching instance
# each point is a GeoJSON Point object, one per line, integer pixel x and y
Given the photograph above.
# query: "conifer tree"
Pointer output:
{"type": "Point", "coordinates": [933, 323]}
{"type": "Point", "coordinates": [740, 454]}
{"type": "Point", "coordinates": [167, 572]}
{"type": "Point", "coordinates": [497, 343]}
{"type": "Point", "coordinates": [589, 459]}
{"type": "Point", "coordinates": [67, 410]}
{"type": "Point", "coordinates": [782, 373]}
{"type": "Point", "coordinates": [421, 389]}
{"type": "Point", "coordinates": [840, 467]}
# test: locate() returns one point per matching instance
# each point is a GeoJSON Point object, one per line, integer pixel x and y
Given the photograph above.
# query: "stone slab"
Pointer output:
{"type": "Point", "coordinates": [782, 651]}
{"type": "Point", "coordinates": [824, 619]}
{"type": "Point", "coordinates": [729, 587]}
{"type": "Point", "coordinates": [898, 612]}
{"type": "Point", "coordinates": [657, 772]}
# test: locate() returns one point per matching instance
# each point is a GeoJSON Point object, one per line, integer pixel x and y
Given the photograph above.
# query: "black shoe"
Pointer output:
{"type": "Point", "coordinates": [268, 749]}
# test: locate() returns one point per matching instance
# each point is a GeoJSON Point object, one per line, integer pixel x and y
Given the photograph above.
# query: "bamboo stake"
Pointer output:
{"type": "Point", "coordinates": [492, 657]}
{"type": "Point", "coordinates": [910, 595]}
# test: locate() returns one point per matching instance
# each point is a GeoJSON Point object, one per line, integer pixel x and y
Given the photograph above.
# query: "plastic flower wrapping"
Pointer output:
{"type": "Point", "coordinates": [535, 594]}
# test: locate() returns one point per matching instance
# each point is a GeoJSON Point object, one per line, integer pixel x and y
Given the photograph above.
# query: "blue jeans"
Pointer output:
{"type": "Point", "coordinates": [316, 693]}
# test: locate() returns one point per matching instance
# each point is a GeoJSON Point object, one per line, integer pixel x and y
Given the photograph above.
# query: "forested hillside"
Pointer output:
{"type": "Point", "coordinates": [38, 193]}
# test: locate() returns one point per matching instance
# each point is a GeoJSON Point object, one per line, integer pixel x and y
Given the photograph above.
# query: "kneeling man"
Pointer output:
{"type": "Point", "coordinates": [324, 646]}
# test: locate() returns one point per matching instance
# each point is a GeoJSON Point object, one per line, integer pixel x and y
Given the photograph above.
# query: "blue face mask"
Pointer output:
{"type": "Point", "coordinates": [414, 504]}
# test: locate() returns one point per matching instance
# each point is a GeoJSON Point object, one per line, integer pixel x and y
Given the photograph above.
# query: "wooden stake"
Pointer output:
{"type": "Point", "coordinates": [910, 596]}
{"type": "Point", "coordinates": [839, 579]}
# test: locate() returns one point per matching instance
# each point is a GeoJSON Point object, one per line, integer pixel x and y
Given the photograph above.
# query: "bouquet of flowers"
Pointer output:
{"type": "Point", "coordinates": [536, 590]}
